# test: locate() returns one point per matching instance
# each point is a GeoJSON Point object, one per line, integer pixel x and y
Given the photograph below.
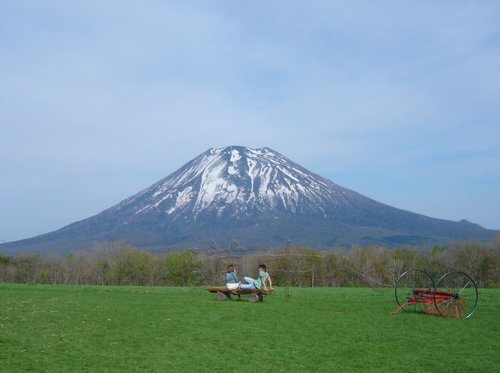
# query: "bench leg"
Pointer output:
{"type": "Point", "coordinates": [221, 296]}
{"type": "Point", "coordinates": [253, 298]}
{"type": "Point", "coordinates": [230, 296]}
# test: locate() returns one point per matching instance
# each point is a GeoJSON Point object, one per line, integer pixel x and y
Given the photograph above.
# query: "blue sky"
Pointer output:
{"type": "Point", "coordinates": [397, 100]}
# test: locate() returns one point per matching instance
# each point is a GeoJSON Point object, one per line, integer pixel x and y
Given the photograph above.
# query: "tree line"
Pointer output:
{"type": "Point", "coordinates": [121, 264]}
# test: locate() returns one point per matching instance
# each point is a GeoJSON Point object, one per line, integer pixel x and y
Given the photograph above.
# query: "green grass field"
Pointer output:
{"type": "Point", "coordinates": [84, 328]}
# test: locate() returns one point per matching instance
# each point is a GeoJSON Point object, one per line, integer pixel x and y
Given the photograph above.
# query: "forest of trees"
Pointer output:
{"type": "Point", "coordinates": [121, 264]}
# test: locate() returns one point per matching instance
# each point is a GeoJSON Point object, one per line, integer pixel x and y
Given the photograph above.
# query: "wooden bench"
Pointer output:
{"type": "Point", "coordinates": [255, 295]}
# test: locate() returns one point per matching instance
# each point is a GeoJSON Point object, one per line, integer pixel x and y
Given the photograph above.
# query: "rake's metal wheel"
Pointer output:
{"type": "Point", "coordinates": [456, 295]}
{"type": "Point", "coordinates": [414, 291]}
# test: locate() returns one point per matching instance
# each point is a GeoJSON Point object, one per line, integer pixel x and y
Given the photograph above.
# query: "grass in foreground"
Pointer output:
{"type": "Point", "coordinates": [83, 328]}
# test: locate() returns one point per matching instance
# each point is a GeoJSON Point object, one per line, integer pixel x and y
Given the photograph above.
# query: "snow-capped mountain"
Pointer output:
{"type": "Point", "coordinates": [237, 181]}
{"type": "Point", "coordinates": [241, 197]}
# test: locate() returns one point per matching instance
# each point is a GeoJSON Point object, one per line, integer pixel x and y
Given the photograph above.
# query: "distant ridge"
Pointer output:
{"type": "Point", "coordinates": [251, 198]}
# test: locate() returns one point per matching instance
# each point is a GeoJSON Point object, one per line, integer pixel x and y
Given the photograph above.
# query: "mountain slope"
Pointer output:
{"type": "Point", "coordinates": [236, 196]}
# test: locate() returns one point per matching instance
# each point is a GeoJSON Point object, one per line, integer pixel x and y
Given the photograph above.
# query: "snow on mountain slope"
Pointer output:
{"type": "Point", "coordinates": [238, 180]}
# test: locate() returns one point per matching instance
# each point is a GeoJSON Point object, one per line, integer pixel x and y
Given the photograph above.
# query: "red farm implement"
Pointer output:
{"type": "Point", "coordinates": [454, 295]}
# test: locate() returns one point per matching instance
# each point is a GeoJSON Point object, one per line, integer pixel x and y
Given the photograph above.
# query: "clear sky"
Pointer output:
{"type": "Point", "coordinates": [397, 100]}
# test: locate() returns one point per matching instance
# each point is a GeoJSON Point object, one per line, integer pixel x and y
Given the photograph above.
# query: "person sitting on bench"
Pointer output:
{"type": "Point", "coordinates": [231, 278]}
{"type": "Point", "coordinates": [260, 283]}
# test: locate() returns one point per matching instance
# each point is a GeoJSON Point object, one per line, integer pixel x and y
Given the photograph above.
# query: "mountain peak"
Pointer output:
{"type": "Point", "coordinates": [236, 181]}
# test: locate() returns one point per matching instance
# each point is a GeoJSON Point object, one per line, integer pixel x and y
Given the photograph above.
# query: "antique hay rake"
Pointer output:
{"type": "Point", "coordinates": [454, 295]}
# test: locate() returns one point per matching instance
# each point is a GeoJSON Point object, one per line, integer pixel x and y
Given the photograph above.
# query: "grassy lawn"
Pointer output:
{"type": "Point", "coordinates": [84, 328]}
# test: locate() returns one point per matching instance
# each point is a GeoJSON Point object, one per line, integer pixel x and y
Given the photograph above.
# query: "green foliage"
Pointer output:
{"type": "Point", "coordinates": [120, 264]}
{"type": "Point", "coordinates": [103, 329]}
{"type": "Point", "coordinates": [182, 268]}
{"type": "Point", "coordinates": [4, 259]}
{"type": "Point", "coordinates": [438, 250]}
{"type": "Point", "coordinates": [132, 266]}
